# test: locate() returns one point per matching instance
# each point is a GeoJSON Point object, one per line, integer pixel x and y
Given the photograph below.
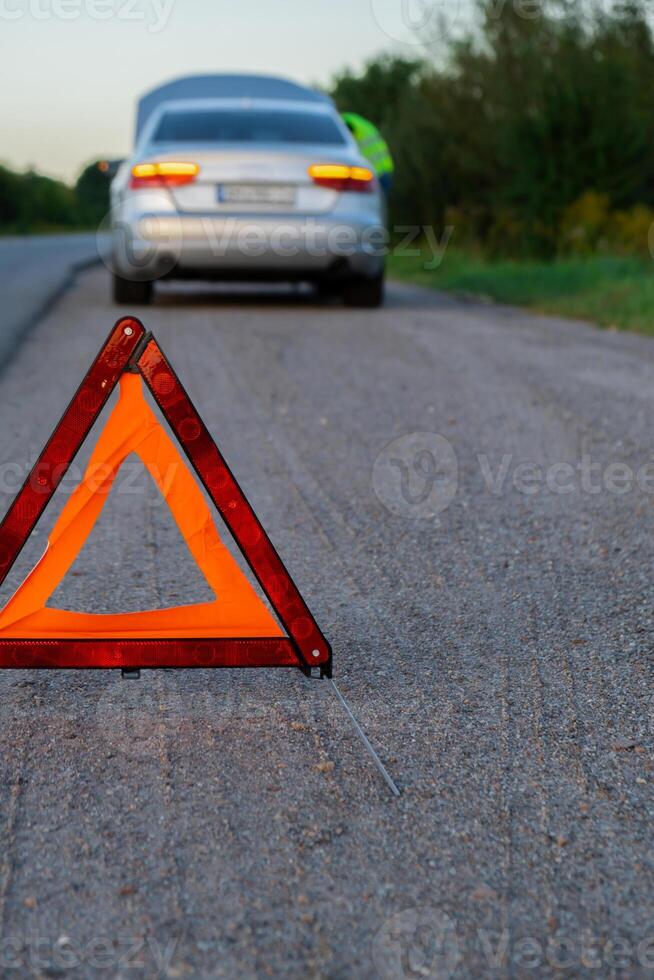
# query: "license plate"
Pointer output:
{"type": "Point", "coordinates": [256, 194]}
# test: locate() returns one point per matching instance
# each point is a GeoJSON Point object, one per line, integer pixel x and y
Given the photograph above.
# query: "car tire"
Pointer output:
{"type": "Point", "coordinates": [127, 292]}
{"type": "Point", "coordinates": [365, 293]}
{"type": "Point", "coordinates": [328, 288]}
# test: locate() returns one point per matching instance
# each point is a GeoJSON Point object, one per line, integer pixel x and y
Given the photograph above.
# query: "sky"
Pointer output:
{"type": "Point", "coordinates": [71, 70]}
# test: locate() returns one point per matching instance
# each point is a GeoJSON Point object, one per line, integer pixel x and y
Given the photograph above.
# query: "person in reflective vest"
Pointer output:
{"type": "Point", "coordinates": [373, 147]}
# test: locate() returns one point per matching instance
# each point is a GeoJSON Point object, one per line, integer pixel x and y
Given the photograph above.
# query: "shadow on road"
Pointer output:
{"type": "Point", "coordinates": [197, 295]}
{"type": "Point", "coordinates": [238, 294]}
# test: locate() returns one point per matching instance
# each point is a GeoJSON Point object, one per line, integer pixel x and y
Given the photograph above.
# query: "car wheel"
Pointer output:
{"type": "Point", "coordinates": [368, 293]}
{"type": "Point", "coordinates": [127, 292]}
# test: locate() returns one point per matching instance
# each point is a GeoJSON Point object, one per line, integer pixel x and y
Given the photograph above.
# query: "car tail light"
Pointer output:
{"type": "Point", "coordinates": [340, 177]}
{"type": "Point", "coordinates": [168, 174]}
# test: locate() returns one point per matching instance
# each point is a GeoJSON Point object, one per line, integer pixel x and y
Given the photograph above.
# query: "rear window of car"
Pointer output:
{"type": "Point", "coordinates": [251, 126]}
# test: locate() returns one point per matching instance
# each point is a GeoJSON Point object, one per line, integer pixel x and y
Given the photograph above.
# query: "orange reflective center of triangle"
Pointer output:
{"type": "Point", "coordinates": [237, 610]}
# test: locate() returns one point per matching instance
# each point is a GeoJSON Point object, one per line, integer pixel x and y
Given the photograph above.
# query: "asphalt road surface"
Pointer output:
{"type": "Point", "coordinates": [34, 270]}
{"type": "Point", "coordinates": [492, 632]}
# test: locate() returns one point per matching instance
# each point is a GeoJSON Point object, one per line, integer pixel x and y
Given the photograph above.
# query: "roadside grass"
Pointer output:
{"type": "Point", "coordinates": [614, 292]}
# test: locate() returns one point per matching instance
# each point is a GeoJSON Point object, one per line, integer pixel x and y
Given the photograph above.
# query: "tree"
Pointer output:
{"type": "Point", "coordinates": [520, 118]}
{"type": "Point", "coordinates": [92, 190]}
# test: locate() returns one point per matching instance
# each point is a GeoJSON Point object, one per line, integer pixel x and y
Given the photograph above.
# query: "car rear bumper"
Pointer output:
{"type": "Point", "coordinates": [271, 247]}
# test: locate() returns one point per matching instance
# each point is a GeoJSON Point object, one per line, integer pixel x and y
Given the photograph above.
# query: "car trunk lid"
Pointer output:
{"type": "Point", "coordinates": [264, 181]}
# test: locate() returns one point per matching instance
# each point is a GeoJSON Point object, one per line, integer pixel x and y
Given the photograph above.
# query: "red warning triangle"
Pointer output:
{"type": "Point", "coordinates": [236, 629]}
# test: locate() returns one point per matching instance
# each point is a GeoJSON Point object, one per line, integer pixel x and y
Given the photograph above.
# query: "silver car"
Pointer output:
{"type": "Point", "coordinates": [263, 182]}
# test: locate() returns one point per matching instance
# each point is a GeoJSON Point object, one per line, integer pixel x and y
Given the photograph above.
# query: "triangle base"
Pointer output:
{"type": "Point", "coordinates": [97, 654]}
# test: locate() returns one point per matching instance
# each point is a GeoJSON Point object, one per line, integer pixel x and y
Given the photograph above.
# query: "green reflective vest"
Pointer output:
{"type": "Point", "coordinates": [372, 144]}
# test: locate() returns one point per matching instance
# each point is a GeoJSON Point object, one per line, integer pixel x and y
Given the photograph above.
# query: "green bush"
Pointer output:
{"type": "Point", "coordinates": [632, 231]}
{"type": "Point", "coordinates": [586, 225]}
{"type": "Point", "coordinates": [590, 227]}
